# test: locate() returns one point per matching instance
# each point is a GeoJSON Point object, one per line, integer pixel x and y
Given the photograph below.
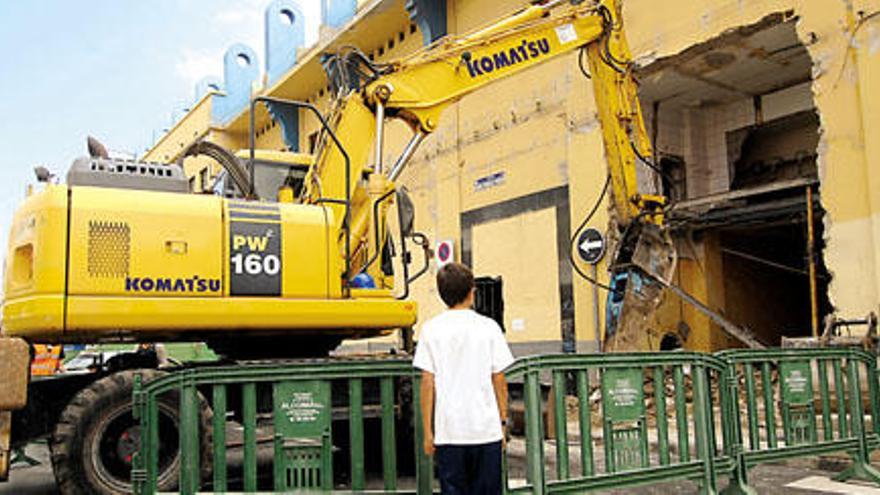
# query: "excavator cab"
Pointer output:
{"type": "Point", "coordinates": [274, 172]}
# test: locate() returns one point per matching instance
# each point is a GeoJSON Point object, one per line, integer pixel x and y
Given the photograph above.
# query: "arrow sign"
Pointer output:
{"type": "Point", "coordinates": [591, 246]}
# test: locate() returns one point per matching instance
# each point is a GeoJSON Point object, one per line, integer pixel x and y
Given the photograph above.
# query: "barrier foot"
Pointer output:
{"type": "Point", "coordinates": [860, 470]}
{"type": "Point", "coordinates": [738, 487]}
{"type": "Point", "coordinates": [739, 483]}
{"type": "Point", "coordinates": [707, 490]}
{"type": "Point", "coordinates": [19, 456]}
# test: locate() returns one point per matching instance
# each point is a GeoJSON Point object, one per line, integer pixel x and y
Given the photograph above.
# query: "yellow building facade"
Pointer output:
{"type": "Point", "coordinates": [750, 104]}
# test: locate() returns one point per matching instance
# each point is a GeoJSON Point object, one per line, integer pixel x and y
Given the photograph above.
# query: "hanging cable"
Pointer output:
{"type": "Point", "coordinates": [664, 177]}
{"type": "Point", "coordinates": [350, 69]}
{"type": "Point", "coordinates": [571, 244]}
{"type": "Point", "coordinates": [581, 53]}
{"type": "Point", "coordinates": [605, 52]}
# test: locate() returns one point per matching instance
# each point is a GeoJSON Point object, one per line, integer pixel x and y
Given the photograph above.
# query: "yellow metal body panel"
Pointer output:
{"type": "Point", "coordinates": [34, 317]}
{"type": "Point", "coordinates": [285, 157]}
{"type": "Point", "coordinates": [309, 269]}
{"type": "Point", "coordinates": [118, 236]}
{"type": "Point", "coordinates": [149, 265]}
{"type": "Point", "coordinates": [35, 264]}
{"type": "Point", "coordinates": [193, 317]}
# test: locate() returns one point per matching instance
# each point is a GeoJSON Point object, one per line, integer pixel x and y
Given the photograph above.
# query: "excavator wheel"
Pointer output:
{"type": "Point", "coordinates": [96, 436]}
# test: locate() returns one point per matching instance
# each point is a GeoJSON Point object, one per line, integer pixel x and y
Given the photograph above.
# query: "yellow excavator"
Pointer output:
{"type": "Point", "coordinates": [99, 258]}
{"type": "Point", "coordinates": [293, 254]}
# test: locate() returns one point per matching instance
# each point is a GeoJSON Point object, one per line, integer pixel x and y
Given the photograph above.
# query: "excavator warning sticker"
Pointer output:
{"type": "Point", "coordinates": [254, 258]}
{"type": "Point", "coordinates": [566, 33]}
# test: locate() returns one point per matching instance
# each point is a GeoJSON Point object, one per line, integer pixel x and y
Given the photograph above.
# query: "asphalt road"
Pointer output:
{"type": "Point", "coordinates": [31, 480]}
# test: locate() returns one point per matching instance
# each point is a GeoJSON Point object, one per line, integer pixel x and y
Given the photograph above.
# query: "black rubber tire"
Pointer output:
{"type": "Point", "coordinates": [80, 468]}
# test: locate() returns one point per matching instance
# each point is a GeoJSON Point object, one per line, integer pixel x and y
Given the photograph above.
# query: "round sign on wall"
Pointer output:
{"type": "Point", "coordinates": [445, 253]}
{"type": "Point", "coordinates": [591, 246]}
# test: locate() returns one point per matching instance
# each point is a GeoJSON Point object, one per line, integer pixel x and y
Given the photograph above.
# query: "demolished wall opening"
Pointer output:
{"type": "Point", "coordinates": [736, 132]}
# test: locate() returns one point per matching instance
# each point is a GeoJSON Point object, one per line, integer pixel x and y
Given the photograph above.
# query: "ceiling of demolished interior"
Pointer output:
{"type": "Point", "coordinates": [746, 62]}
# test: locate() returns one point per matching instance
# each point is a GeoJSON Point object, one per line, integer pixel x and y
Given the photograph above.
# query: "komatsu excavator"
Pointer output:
{"type": "Point", "coordinates": [296, 253]}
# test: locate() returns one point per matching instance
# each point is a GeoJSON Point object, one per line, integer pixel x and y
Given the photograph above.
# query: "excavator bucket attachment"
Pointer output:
{"type": "Point", "coordinates": [645, 265]}
{"type": "Point", "coordinates": [637, 284]}
{"type": "Point", "coordinates": [655, 253]}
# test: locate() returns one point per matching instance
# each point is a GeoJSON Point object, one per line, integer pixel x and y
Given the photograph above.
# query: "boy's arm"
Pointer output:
{"type": "Point", "coordinates": [499, 383]}
{"type": "Point", "coordinates": [426, 390]}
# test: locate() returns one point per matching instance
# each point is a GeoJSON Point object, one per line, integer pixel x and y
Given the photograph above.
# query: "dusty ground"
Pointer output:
{"type": "Point", "coordinates": [770, 478]}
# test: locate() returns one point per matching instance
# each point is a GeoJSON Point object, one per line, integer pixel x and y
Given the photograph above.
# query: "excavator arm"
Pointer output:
{"type": "Point", "coordinates": [419, 87]}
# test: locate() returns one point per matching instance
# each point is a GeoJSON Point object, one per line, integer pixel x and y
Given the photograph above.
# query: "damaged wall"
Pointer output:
{"type": "Point", "coordinates": [845, 67]}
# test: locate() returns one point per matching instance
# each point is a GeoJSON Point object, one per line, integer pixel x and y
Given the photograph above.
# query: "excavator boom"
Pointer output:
{"type": "Point", "coordinates": [417, 88]}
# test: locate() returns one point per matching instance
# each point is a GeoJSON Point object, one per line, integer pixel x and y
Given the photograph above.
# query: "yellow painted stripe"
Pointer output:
{"type": "Point", "coordinates": [138, 314]}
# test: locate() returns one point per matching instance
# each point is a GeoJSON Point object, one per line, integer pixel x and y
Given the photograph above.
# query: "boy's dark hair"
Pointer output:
{"type": "Point", "coordinates": [454, 281]}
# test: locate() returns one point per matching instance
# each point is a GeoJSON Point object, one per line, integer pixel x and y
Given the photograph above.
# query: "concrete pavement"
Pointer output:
{"type": "Point", "coordinates": [776, 479]}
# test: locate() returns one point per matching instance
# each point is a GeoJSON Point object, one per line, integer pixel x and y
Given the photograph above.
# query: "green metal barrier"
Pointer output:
{"type": "Point", "coordinates": [630, 418]}
{"type": "Point", "coordinates": [656, 417]}
{"type": "Point", "coordinates": [302, 404]}
{"type": "Point", "coordinates": [803, 402]}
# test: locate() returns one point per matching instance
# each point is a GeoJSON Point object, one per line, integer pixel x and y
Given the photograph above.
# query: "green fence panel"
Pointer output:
{"type": "Point", "coordinates": [662, 422]}
{"type": "Point", "coordinates": [218, 404]}
{"type": "Point", "coordinates": [752, 406]}
{"type": "Point", "coordinates": [795, 372]}
{"type": "Point", "coordinates": [585, 425]}
{"type": "Point", "coordinates": [840, 390]}
{"type": "Point", "coordinates": [303, 440]}
{"type": "Point", "coordinates": [632, 402]}
{"type": "Point", "coordinates": [296, 407]}
{"type": "Point", "coordinates": [681, 418]}
{"type": "Point", "coordinates": [249, 413]}
{"type": "Point", "coordinates": [389, 439]}
{"type": "Point", "coordinates": [534, 433]}
{"type": "Point", "coordinates": [624, 419]}
{"type": "Point", "coordinates": [292, 409]}
{"type": "Point", "coordinates": [356, 432]}
{"type": "Point", "coordinates": [798, 414]}
{"type": "Point", "coordinates": [827, 429]}
{"type": "Point", "coordinates": [189, 440]}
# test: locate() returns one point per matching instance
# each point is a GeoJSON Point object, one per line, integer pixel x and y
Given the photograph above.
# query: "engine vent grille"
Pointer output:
{"type": "Point", "coordinates": [109, 249]}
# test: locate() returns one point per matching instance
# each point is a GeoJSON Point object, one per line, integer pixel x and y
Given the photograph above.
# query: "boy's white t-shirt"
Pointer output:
{"type": "Point", "coordinates": [462, 349]}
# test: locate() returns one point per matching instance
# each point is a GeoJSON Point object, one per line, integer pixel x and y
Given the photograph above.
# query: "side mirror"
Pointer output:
{"type": "Point", "coordinates": [406, 212]}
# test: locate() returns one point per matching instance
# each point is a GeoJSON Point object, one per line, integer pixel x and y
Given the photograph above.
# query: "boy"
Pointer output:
{"type": "Point", "coordinates": [462, 356]}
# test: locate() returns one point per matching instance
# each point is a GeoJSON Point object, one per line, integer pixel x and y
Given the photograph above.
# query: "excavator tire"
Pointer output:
{"type": "Point", "coordinates": [96, 436]}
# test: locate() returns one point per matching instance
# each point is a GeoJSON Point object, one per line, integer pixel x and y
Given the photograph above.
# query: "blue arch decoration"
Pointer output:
{"type": "Point", "coordinates": [285, 34]}
{"type": "Point", "coordinates": [430, 17]}
{"type": "Point", "coordinates": [241, 67]}
{"type": "Point", "coordinates": [336, 13]}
